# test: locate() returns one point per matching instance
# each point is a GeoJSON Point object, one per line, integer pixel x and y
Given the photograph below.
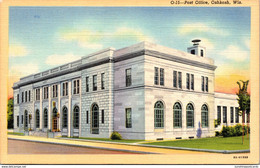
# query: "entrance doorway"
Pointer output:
{"type": "Point", "coordinates": [54, 120]}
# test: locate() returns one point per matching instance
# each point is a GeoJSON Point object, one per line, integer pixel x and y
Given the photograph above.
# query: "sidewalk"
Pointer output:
{"type": "Point", "coordinates": [104, 145]}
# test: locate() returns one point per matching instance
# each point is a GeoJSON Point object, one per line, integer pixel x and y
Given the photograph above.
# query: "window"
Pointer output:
{"type": "Point", "coordinates": [232, 114]}
{"type": "Point", "coordinates": [55, 91]}
{"type": "Point", "coordinates": [206, 84]}
{"type": "Point", "coordinates": [64, 117]}
{"type": "Point", "coordinates": [37, 118]}
{"type": "Point", "coordinates": [103, 81]}
{"type": "Point", "coordinates": [180, 79]}
{"type": "Point", "coordinates": [219, 113]}
{"type": "Point", "coordinates": [102, 116]}
{"type": "Point", "coordinates": [22, 119]}
{"type": "Point", "coordinates": [159, 115]}
{"type": "Point", "coordinates": [128, 118]}
{"type": "Point", "coordinates": [237, 115]}
{"type": "Point", "coordinates": [17, 121]}
{"type": "Point", "coordinates": [22, 97]}
{"type": "Point", "coordinates": [26, 119]}
{"type": "Point", "coordinates": [192, 52]}
{"type": "Point", "coordinates": [37, 93]}
{"type": "Point", "coordinates": [190, 115]}
{"type": "Point", "coordinates": [192, 82]}
{"type": "Point", "coordinates": [25, 96]}
{"type": "Point", "coordinates": [202, 83]}
{"type": "Point", "coordinates": [87, 117]}
{"type": "Point", "coordinates": [65, 89]}
{"type": "Point", "coordinates": [204, 116]}
{"type": "Point", "coordinates": [46, 92]}
{"type": "Point", "coordinates": [156, 76]}
{"type": "Point", "coordinates": [224, 114]}
{"type": "Point", "coordinates": [76, 87]}
{"type": "Point", "coordinates": [29, 95]}
{"type": "Point", "coordinates": [17, 98]}
{"type": "Point", "coordinates": [76, 117]}
{"type": "Point", "coordinates": [87, 84]}
{"type": "Point", "coordinates": [95, 119]}
{"type": "Point", "coordinates": [201, 53]}
{"type": "Point", "coordinates": [177, 115]}
{"type": "Point", "coordinates": [161, 76]}
{"type": "Point", "coordinates": [175, 79]}
{"type": "Point", "coordinates": [187, 81]}
{"type": "Point", "coordinates": [94, 82]}
{"type": "Point", "coordinates": [45, 118]}
{"type": "Point", "coordinates": [128, 77]}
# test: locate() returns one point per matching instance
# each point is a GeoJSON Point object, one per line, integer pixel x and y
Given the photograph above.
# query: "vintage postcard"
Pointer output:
{"type": "Point", "coordinates": [169, 82]}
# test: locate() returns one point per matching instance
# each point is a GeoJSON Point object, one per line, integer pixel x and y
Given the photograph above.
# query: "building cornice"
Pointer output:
{"type": "Point", "coordinates": [123, 57]}
{"type": "Point", "coordinates": [179, 59]}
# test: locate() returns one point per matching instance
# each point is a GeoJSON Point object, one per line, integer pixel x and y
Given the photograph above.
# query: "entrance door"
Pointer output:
{"type": "Point", "coordinates": [95, 119]}
{"type": "Point", "coordinates": [54, 120]}
{"type": "Point", "coordinates": [54, 124]}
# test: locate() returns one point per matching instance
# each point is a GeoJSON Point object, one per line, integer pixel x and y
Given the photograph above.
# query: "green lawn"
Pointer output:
{"type": "Point", "coordinates": [109, 140]}
{"type": "Point", "coordinates": [218, 143]}
{"type": "Point", "coordinates": [15, 133]}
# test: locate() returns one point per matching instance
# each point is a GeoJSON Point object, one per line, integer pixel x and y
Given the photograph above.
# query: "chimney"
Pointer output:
{"type": "Point", "coordinates": [197, 49]}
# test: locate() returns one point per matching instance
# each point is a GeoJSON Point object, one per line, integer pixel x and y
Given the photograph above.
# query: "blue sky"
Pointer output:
{"type": "Point", "coordinates": [44, 37]}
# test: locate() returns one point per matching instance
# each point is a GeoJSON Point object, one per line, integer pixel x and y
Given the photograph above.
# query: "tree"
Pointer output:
{"type": "Point", "coordinates": [244, 102]}
{"type": "Point", "coordinates": [248, 114]}
{"type": "Point", "coordinates": [10, 116]}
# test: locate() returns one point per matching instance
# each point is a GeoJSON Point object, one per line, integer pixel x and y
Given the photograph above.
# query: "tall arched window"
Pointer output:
{"type": "Point", "coordinates": [95, 119]}
{"type": "Point", "coordinates": [76, 117]}
{"type": "Point", "coordinates": [64, 117]}
{"type": "Point", "coordinates": [25, 118]}
{"type": "Point", "coordinates": [158, 115]}
{"type": "Point", "coordinates": [45, 118]}
{"type": "Point", "coordinates": [37, 118]}
{"type": "Point", "coordinates": [190, 115]}
{"type": "Point", "coordinates": [204, 116]}
{"type": "Point", "coordinates": [177, 115]}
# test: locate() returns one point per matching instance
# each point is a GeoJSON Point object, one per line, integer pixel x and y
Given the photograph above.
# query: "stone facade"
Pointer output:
{"type": "Point", "coordinates": [119, 90]}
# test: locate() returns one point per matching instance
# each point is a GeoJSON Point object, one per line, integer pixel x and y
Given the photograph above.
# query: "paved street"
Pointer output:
{"type": "Point", "coordinates": [111, 147]}
{"type": "Point", "coordinates": [26, 147]}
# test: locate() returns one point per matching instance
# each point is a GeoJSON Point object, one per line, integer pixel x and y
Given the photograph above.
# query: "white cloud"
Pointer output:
{"type": "Point", "coordinates": [85, 38]}
{"type": "Point", "coordinates": [57, 59]}
{"type": "Point", "coordinates": [17, 50]}
{"type": "Point", "coordinates": [193, 28]}
{"type": "Point", "coordinates": [133, 34]}
{"type": "Point", "coordinates": [94, 39]}
{"type": "Point", "coordinates": [235, 53]}
{"type": "Point", "coordinates": [247, 43]}
{"type": "Point", "coordinates": [23, 69]}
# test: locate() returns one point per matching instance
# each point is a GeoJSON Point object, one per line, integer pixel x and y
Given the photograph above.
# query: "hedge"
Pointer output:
{"type": "Point", "coordinates": [115, 136]}
{"type": "Point", "coordinates": [230, 131]}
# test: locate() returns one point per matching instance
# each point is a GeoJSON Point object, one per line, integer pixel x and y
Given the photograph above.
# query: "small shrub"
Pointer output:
{"type": "Point", "coordinates": [238, 130]}
{"type": "Point", "coordinates": [228, 131]}
{"type": "Point", "coordinates": [115, 136]}
{"type": "Point", "coordinates": [217, 133]}
{"type": "Point", "coordinates": [225, 131]}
